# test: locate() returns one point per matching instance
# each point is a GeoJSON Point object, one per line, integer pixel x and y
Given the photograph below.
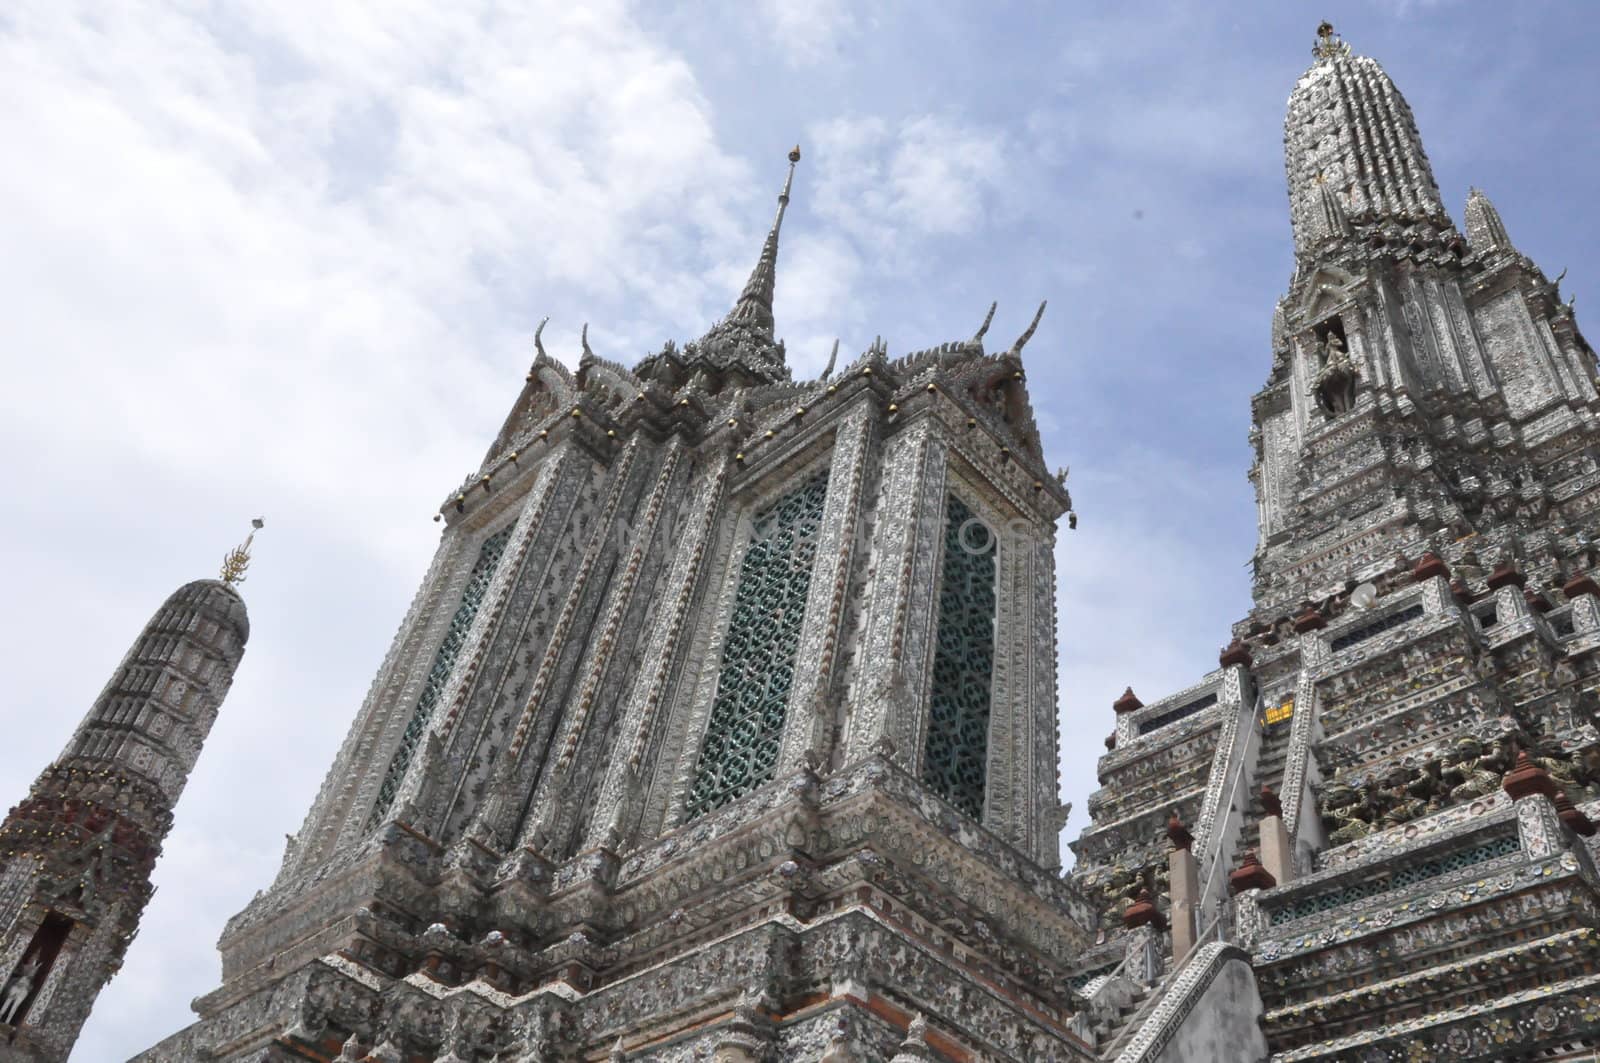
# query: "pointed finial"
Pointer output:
{"type": "Point", "coordinates": [583, 337]}
{"type": "Point", "coordinates": [833, 356]}
{"type": "Point", "coordinates": [788, 183]}
{"type": "Point", "coordinates": [755, 302]}
{"type": "Point", "coordinates": [1022, 340]}
{"type": "Point", "coordinates": [237, 560]}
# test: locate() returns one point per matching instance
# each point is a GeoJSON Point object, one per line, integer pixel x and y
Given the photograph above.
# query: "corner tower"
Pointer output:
{"type": "Point", "coordinates": [1426, 389]}
{"type": "Point", "coordinates": [724, 724]}
{"type": "Point", "coordinates": [1382, 800]}
{"type": "Point", "coordinates": [77, 853]}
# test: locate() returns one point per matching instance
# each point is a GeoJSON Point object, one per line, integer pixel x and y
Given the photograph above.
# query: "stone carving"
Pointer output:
{"type": "Point", "coordinates": [22, 983]}
{"type": "Point", "coordinates": [1335, 383]}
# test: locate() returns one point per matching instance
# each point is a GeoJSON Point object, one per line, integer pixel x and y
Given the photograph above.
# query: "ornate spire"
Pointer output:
{"type": "Point", "coordinates": [237, 560]}
{"type": "Point", "coordinates": [1485, 230]}
{"type": "Point", "coordinates": [77, 853]}
{"type": "Point", "coordinates": [1348, 128]}
{"type": "Point", "coordinates": [755, 302]}
{"type": "Point", "coordinates": [744, 339]}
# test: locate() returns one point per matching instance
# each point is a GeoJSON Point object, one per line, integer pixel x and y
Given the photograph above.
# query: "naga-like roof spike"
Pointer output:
{"type": "Point", "coordinates": [833, 356]}
{"type": "Point", "coordinates": [583, 337]}
{"type": "Point", "coordinates": [1022, 340]}
{"type": "Point", "coordinates": [538, 338]}
{"type": "Point", "coordinates": [977, 337]}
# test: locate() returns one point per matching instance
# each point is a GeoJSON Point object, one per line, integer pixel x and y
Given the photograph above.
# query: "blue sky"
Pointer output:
{"type": "Point", "coordinates": [286, 259]}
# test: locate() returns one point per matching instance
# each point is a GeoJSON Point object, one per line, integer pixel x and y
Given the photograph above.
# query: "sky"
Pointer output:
{"type": "Point", "coordinates": [285, 259]}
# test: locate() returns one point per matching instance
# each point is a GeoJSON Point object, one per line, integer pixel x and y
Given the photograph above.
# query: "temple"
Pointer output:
{"type": "Point", "coordinates": [1380, 801]}
{"type": "Point", "coordinates": [724, 724]}
{"type": "Point", "coordinates": [722, 727]}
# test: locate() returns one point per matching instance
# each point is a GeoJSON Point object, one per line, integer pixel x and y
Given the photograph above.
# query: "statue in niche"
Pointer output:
{"type": "Point", "coordinates": [1335, 383]}
{"type": "Point", "coordinates": [21, 986]}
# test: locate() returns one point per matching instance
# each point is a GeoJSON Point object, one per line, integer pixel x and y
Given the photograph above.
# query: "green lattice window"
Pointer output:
{"type": "Point", "coordinates": [956, 755]}
{"type": "Point", "coordinates": [444, 663]}
{"type": "Point", "coordinates": [746, 724]}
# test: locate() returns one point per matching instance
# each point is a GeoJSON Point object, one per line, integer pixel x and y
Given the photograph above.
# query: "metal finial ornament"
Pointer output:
{"type": "Point", "coordinates": [788, 183]}
{"type": "Point", "coordinates": [237, 560]}
{"type": "Point", "coordinates": [1329, 44]}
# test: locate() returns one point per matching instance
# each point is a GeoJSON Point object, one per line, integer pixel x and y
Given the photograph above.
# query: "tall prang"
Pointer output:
{"type": "Point", "coordinates": [77, 853]}
{"type": "Point", "coordinates": [1426, 387]}
{"type": "Point", "coordinates": [723, 726]}
{"type": "Point", "coordinates": [1382, 800]}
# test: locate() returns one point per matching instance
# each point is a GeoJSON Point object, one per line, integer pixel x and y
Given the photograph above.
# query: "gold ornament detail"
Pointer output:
{"type": "Point", "coordinates": [237, 561]}
{"type": "Point", "coordinates": [1329, 44]}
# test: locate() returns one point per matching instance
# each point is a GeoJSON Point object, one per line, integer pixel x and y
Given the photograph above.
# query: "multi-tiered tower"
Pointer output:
{"type": "Point", "coordinates": [723, 725]}
{"type": "Point", "coordinates": [76, 854]}
{"type": "Point", "coordinates": [1425, 468]}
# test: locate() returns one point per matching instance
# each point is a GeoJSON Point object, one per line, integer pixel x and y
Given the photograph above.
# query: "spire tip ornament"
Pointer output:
{"type": "Point", "coordinates": [237, 561]}
{"type": "Point", "coordinates": [1329, 44]}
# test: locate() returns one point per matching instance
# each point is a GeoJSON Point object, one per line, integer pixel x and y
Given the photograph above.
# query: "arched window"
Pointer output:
{"type": "Point", "coordinates": [745, 728]}
{"type": "Point", "coordinates": [955, 758]}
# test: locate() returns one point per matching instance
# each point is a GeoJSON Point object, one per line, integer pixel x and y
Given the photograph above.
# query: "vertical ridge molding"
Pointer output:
{"type": "Point", "coordinates": [808, 720]}
{"type": "Point", "coordinates": [530, 521]}
{"type": "Point", "coordinates": [1045, 829]}
{"type": "Point", "coordinates": [910, 500]}
{"type": "Point", "coordinates": [479, 715]}
{"type": "Point", "coordinates": [569, 608]}
{"type": "Point", "coordinates": [493, 813]}
{"type": "Point", "coordinates": [1011, 736]}
{"type": "Point", "coordinates": [464, 675]}
{"type": "Point", "coordinates": [621, 598]}
{"type": "Point", "coordinates": [574, 726]}
{"type": "Point", "coordinates": [619, 789]}
{"type": "Point", "coordinates": [689, 703]}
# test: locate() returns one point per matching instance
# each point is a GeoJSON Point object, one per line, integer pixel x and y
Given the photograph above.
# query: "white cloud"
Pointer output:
{"type": "Point", "coordinates": [891, 184]}
{"type": "Point", "coordinates": [806, 32]}
{"type": "Point", "coordinates": [259, 259]}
